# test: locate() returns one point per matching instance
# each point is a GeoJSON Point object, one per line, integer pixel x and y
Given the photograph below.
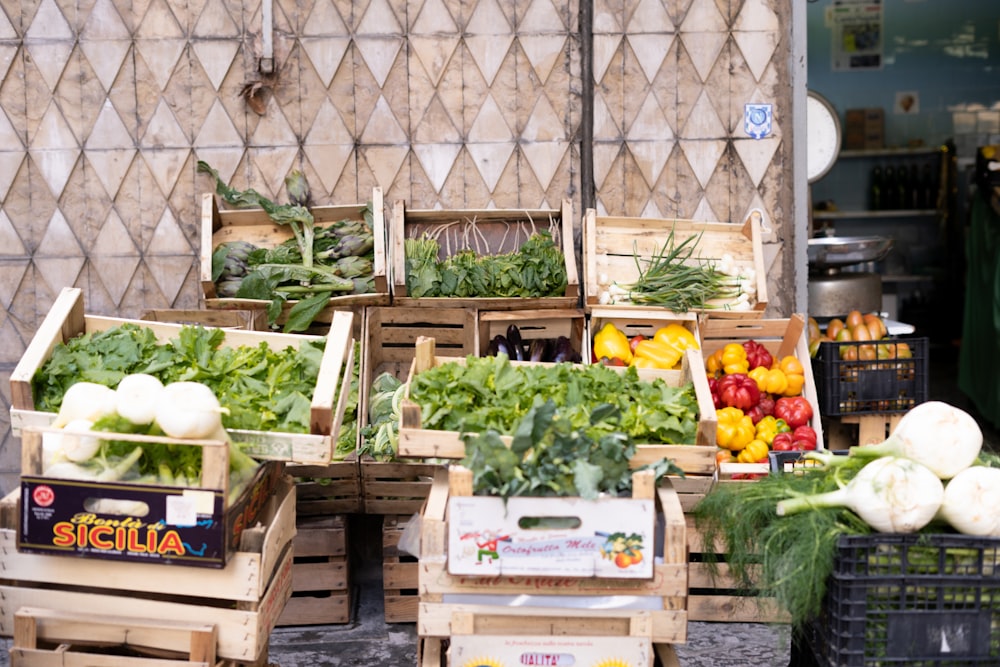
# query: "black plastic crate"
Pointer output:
{"type": "Point", "coordinates": [848, 386]}
{"type": "Point", "coordinates": [919, 600]}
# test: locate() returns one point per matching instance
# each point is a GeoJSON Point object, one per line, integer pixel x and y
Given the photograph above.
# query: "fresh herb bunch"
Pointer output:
{"type": "Point", "coordinates": [263, 388]}
{"type": "Point", "coordinates": [550, 456]}
{"type": "Point", "coordinates": [537, 269]}
{"type": "Point", "coordinates": [490, 393]}
{"type": "Point", "coordinates": [673, 279]}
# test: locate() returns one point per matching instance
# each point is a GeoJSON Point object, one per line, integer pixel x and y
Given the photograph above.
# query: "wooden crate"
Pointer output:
{"type": "Point", "coordinates": [443, 613]}
{"type": "Point", "coordinates": [254, 225]}
{"type": "Point", "coordinates": [539, 324]}
{"type": "Point", "coordinates": [321, 590]}
{"type": "Point", "coordinates": [634, 321]}
{"type": "Point", "coordinates": [433, 652]}
{"type": "Point", "coordinates": [242, 601]}
{"type": "Point", "coordinates": [400, 573]}
{"type": "Point", "coordinates": [493, 231]}
{"type": "Point", "coordinates": [400, 487]}
{"type": "Point", "coordinates": [253, 319]}
{"type": "Point", "coordinates": [713, 594]}
{"type": "Point", "coordinates": [611, 245]}
{"type": "Point", "coordinates": [697, 457]}
{"type": "Point", "coordinates": [66, 319]}
{"type": "Point", "coordinates": [322, 490]}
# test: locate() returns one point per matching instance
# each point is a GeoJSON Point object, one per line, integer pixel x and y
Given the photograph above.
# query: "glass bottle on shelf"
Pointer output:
{"type": "Point", "coordinates": [915, 196]}
{"type": "Point", "coordinates": [875, 200]}
{"type": "Point", "coordinates": [902, 187]}
{"type": "Point", "coordinates": [890, 199]}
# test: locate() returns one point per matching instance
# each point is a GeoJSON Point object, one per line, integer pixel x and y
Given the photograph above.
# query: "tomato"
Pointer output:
{"type": "Point", "coordinates": [833, 327]}
{"type": "Point", "coordinates": [853, 319]}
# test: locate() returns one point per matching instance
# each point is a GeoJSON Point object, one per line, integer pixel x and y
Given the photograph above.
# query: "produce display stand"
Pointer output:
{"type": "Point", "coordinates": [611, 246]}
{"type": "Point", "coordinates": [241, 602]}
{"type": "Point", "coordinates": [487, 232]}
{"type": "Point", "coordinates": [391, 333]}
{"type": "Point", "coordinates": [399, 573]}
{"type": "Point", "coordinates": [66, 319]}
{"type": "Point", "coordinates": [254, 226]}
{"type": "Point", "coordinates": [697, 457]}
{"type": "Point", "coordinates": [464, 611]}
{"type": "Point", "coordinates": [321, 589]}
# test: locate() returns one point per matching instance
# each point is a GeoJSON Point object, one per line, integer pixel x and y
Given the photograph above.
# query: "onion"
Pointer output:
{"type": "Point", "coordinates": [942, 437]}
{"type": "Point", "coordinates": [137, 397]}
{"type": "Point", "coordinates": [85, 400]}
{"type": "Point", "coordinates": [972, 502]}
{"type": "Point", "coordinates": [189, 410]}
{"type": "Point", "coordinates": [891, 494]}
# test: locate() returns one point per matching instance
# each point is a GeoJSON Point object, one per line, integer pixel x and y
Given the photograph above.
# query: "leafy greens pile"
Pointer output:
{"type": "Point", "coordinates": [490, 393]}
{"type": "Point", "coordinates": [263, 388]}
{"type": "Point", "coordinates": [550, 456]}
{"type": "Point", "coordinates": [537, 269]}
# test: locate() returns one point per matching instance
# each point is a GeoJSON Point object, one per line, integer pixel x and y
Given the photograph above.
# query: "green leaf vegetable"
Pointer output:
{"type": "Point", "coordinates": [550, 456]}
{"type": "Point", "coordinates": [310, 268]}
{"type": "Point", "coordinates": [380, 436]}
{"type": "Point", "coordinates": [537, 269]}
{"type": "Point", "coordinates": [347, 439]}
{"type": "Point", "coordinates": [261, 388]}
{"type": "Point", "coordinates": [490, 393]}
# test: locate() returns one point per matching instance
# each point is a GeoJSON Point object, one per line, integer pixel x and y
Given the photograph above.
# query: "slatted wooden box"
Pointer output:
{"type": "Point", "coordinates": [487, 232]}
{"type": "Point", "coordinates": [458, 608]}
{"type": "Point", "coordinates": [611, 246]}
{"type": "Point", "coordinates": [242, 601]}
{"type": "Point", "coordinates": [697, 457]}
{"type": "Point", "coordinates": [219, 225]}
{"type": "Point", "coordinates": [66, 319]}
{"type": "Point", "coordinates": [321, 584]}
{"type": "Point", "coordinates": [395, 486]}
{"type": "Point", "coordinates": [535, 325]}
{"type": "Point", "coordinates": [399, 573]}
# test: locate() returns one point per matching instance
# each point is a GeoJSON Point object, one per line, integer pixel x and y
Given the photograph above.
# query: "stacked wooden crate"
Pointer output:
{"type": "Point", "coordinates": [399, 572]}
{"type": "Point", "coordinates": [321, 591]}
{"type": "Point", "coordinates": [182, 580]}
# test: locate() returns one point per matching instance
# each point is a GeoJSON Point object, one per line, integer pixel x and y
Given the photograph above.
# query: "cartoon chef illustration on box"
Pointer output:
{"type": "Point", "coordinates": [487, 543]}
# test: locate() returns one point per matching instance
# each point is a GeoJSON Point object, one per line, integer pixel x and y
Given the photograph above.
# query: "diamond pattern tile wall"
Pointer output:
{"type": "Point", "coordinates": [107, 107]}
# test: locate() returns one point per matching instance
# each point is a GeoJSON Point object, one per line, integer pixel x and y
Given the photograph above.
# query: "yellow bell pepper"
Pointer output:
{"type": "Point", "coordinates": [611, 343]}
{"type": "Point", "coordinates": [795, 374]}
{"type": "Point", "coordinates": [662, 355]}
{"type": "Point", "coordinates": [642, 362]}
{"type": "Point", "coordinates": [770, 426]}
{"type": "Point", "coordinates": [734, 359]}
{"type": "Point", "coordinates": [755, 452]}
{"type": "Point", "coordinates": [713, 363]}
{"type": "Point", "coordinates": [676, 336]}
{"type": "Point", "coordinates": [734, 429]}
{"type": "Point", "coordinates": [769, 380]}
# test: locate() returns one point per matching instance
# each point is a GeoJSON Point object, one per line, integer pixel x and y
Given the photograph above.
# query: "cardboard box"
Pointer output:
{"type": "Point", "coordinates": [189, 525]}
{"type": "Point", "coordinates": [66, 319]}
{"type": "Point", "coordinates": [864, 129]}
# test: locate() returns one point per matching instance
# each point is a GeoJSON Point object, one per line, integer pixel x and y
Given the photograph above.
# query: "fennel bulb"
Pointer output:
{"type": "Point", "coordinates": [942, 437]}
{"type": "Point", "coordinates": [972, 502]}
{"type": "Point", "coordinates": [891, 494]}
{"type": "Point", "coordinates": [189, 410]}
{"type": "Point", "coordinates": [76, 446]}
{"type": "Point", "coordinates": [85, 400]}
{"type": "Point", "coordinates": [137, 397]}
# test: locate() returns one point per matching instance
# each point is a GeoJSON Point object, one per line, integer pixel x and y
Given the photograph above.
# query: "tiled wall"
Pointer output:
{"type": "Point", "coordinates": [108, 104]}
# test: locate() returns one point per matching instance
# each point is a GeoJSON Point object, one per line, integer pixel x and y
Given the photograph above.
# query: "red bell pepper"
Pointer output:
{"type": "Point", "coordinates": [783, 442]}
{"type": "Point", "coordinates": [795, 410]}
{"type": "Point", "coordinates": [757, 354]}
{"type": "Point", "coordinates": [738, 390]}
{"type": "Point", "coordinates": [804, 437]}
{"type": "Point", "coordinates": [713, 387]}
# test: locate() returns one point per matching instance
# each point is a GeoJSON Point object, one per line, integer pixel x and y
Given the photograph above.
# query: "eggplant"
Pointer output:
{"type": "Point", "coordinates": [564, 350]}
{"type": "Point", "coordinates": [516, 344]}
{"type": "Point", "coordinates": [539, 349]}
{"type": "Point", "coordinates": [502, 346]}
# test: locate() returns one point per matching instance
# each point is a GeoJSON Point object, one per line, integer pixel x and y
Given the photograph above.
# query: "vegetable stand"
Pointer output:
{"type": "Point", "coordinates": [241, 602]}
{"type": "Point", "coordinates": [651, 611]}
{"type": "Point", "coordinates": [491, 259]}
{"type": "Point", "coordinates": [254, 226]}
{"type": "Point", "coordinates": [66, 321]}
{"type": "Point", "coordinates": [617, 251]}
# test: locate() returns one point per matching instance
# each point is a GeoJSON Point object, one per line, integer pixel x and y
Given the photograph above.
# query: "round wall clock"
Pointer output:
{"type": "Point", "coordinates": [822, 136]}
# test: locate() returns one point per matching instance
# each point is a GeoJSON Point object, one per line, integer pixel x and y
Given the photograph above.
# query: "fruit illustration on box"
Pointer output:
{"type": "Point", "coordinates": [624, 550]}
